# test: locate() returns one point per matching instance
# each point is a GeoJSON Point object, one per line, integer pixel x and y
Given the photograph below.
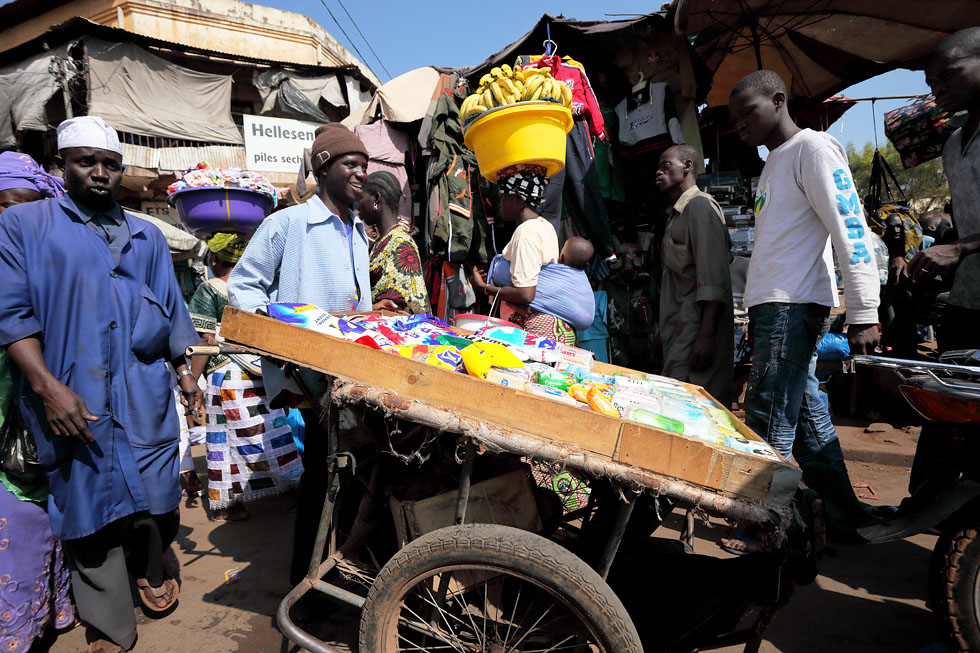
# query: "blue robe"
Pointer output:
{"type": "Point", "coordinates": [107, 333]}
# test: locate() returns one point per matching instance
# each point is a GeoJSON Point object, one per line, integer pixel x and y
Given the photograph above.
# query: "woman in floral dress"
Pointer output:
{"type": "Point", "coordinates": [396, 268]}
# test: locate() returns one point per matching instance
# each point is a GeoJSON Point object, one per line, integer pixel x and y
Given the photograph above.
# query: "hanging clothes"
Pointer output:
{"type": "Point", "coordinates": [581, 197]}
{"type": "Point", "coordinates": [650, 113]}
{"type": "Point", "coordinates": [458, 223]}
{"type": "Point", "coordinates": [584, 103]}
{"type": "Point", "coordinates": [387, 150]}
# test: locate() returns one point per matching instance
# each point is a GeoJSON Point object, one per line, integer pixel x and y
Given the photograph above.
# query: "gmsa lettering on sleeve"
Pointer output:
{"type": "Point", "coordinates": [850, 209]}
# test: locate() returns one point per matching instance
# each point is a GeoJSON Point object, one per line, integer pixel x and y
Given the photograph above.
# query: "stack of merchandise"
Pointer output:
{"type": "Point", "coordinates": [736, 202]}
{"type": "Point", "coordinates": [204, 175]}
{"type": "Point", "coordinates": [511, 357]}
{"type": "Point", "coordinates": [504, 85]}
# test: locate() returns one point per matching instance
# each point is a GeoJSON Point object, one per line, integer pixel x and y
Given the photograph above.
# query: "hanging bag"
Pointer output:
{"type": "Point", "coordinates": [18, 451]}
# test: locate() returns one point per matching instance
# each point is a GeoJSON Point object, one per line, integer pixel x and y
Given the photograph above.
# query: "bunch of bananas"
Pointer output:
{"type": "Point", "coordinates": [505, 85]}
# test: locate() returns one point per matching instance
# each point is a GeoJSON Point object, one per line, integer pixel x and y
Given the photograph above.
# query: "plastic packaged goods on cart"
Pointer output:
{"type": "Point", "coordinates": [442, 356]}
{"type": "Point", "coordinates": [551, 393]}
{"type": "Point", "coordinates": [554, 379]}
{"type": "Point", "coordinates": [479, 357]}
{"type": "Point", "coordinates": [651, 418]}
{"type": "Point", "coordinates": [600, 403]}
{"type": "Point", "coordinates": [515, 336]}
{"type": "Point", "coordinates": [319, 320]}
{"type": "Point", "coordinates": [512, 378]}
{"type": "Point", "coordinates": [623, 400]}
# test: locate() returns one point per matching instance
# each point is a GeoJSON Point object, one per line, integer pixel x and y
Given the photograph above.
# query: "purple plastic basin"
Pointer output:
{"type": "Point", "coordinates": [210, 209]}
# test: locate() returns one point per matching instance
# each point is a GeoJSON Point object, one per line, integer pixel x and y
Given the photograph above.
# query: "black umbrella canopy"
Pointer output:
{"type": "Point", "coordinates": [819, 47]}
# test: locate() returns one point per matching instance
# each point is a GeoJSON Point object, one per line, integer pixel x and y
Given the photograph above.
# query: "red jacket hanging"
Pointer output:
{"type": "Point", "coordinates": [584, 103]}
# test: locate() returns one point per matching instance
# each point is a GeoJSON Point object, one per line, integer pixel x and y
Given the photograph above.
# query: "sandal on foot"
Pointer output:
{"type": "Point", "coordinates": [740, 545]}
{"type": "Point", "coordinates": [149, 594]}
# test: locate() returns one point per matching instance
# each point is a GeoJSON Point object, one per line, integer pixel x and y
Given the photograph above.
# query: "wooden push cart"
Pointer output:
{"type": "Point", "coordinates": [535, 577]}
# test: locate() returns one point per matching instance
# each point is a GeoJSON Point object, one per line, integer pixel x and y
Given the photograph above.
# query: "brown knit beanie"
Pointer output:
{"type": "Point", "coordinates": [333, 140]}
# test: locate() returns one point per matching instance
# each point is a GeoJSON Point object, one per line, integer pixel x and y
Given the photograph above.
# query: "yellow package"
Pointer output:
{"type": "Point", "coordinates": [481, 356]}
{"type": "Point", "coordinates": [600, 403]}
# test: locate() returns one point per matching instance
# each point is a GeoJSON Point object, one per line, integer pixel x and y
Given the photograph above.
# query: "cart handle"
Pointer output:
{"type": "Point", "coordinates": [212, 350]}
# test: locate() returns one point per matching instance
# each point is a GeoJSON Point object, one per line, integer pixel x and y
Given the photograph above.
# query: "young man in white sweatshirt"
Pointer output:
{"type": "Point", "coordinates": [806, 200]}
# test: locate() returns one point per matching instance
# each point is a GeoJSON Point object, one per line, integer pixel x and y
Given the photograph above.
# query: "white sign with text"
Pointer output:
{"type": "Point", "coordinates": [276, 144]}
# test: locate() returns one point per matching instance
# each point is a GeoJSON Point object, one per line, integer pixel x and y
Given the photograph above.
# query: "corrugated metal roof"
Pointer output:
{"type": "Point", "coordinates": [76, 27]}
{"type": "Point", "coordinates": [182, 158]}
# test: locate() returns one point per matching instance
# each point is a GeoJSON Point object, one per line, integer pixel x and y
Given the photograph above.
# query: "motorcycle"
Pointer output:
{"type": "Point", "coordinates": [944, 486]}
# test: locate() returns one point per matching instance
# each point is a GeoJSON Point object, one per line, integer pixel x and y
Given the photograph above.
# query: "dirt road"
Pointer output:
{"type": "Point", "coordinates": [867, 598]}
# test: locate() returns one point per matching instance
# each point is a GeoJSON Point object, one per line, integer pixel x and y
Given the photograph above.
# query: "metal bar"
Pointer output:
{"type": "Point", "coordinates": [465, 475]}
{"type": "Point", "coordinates": [212, 350]}
{"type": "Point", "coordinates": [293, 632]}
{"type": "Point", "coordinates": [875, 99]}
{"type": "Point", "coordinates": [333, 487]}
{"type": "Point", "coordinates": [340, 594]}
{"type": "Point", "coordinates": [619, 529]}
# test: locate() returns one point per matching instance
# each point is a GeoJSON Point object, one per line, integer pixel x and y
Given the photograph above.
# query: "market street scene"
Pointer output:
{"type": "Point", "coordinates": [534, 326]}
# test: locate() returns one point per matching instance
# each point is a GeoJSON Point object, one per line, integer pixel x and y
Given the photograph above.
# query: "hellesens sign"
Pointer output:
{"type": "Point", "coordinates": [276, 144]}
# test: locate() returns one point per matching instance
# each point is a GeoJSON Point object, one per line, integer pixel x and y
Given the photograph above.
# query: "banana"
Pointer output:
{"type": "Point", "coordinates": [520, 86]}
{"type": "Point", "coordinates": [537, 93]}
{"type": "Point", "coordinates": [498, 93]}
{"type": "Point", "coordinates": [479, 108]}
{"type": "Point", "coordinates": [507, 70]}
{"type": "Point", "coordinates": [467, 104]}
{"type": "Point", "coordinates": [486, 79]}
{"type": "Point", "coordinates": [534, 83]}
{"type": "Point", "coordinates": [566, 94]}
{"type": "Point", "coordinates": [519, 75]}
{"type": "Point", "coordinates": [487, 98]}
{"type": "Point", "coordinates": [532, 72]}
{"type": "Point", "coordinates": [508, 85]}
{"type": "Point", "coordinates": [497, 72]}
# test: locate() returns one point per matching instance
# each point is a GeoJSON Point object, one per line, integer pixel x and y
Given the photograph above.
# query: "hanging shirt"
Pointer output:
{"type": "Point", "coordinates": [584, 104]}
{"type": "Point", "coordinates": [648, 114]}
{"type": "Point", "coordinates": [107, 331]}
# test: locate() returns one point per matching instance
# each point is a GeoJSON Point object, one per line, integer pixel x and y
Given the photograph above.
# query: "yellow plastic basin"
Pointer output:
{"type": "Point", "coordinates": [526, 132]}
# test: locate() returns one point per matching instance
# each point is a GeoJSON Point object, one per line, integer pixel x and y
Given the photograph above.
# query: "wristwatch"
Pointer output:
{"type": "Point", "coordinates": [183, 373]}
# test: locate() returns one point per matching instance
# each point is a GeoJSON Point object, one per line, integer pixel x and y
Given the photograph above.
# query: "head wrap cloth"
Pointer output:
{"type": "Point", "coordinates": [19, 170]}
{"type": "Point", "coordinates": [527, 185]}
{"type": "Point", "coordinates": [227, 247]}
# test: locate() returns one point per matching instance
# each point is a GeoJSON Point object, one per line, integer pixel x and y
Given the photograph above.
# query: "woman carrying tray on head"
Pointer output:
{"type": "Point", "coordinates": [250, 446]}
{"type": "Point", "coordinates": [548, 287]}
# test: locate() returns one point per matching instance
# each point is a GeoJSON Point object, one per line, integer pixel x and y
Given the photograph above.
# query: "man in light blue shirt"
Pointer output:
{"type": "Point", "coordinates": [314, 253]}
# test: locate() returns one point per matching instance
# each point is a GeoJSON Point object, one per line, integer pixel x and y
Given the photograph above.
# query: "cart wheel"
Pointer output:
{"type": "Point", "coordinates": [485, 587]}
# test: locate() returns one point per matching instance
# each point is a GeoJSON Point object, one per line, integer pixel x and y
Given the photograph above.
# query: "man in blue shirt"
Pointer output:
{"type": "Point", "coordinates": [90, 314]}
{"type": "Point", "coordinates": [314, 253]}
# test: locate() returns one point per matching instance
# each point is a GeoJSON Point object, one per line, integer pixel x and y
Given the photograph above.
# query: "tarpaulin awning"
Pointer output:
{"type": "Point", "coordinates": [25, 88]}
{"type": "Point", "coordinates": [818, 47]}
{"type": "Point", "coordinates": [406, 98]}
{"type": "Point", "coordinates": [297, 94]}
{"type": "Point", "coordinates": [138, 92]}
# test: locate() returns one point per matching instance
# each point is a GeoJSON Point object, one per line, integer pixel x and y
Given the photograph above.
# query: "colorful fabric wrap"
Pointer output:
{"type": "Point", "coordinates": [529, 186]}
{"type": "Point", "coordinates": [19, 170]}
{"type": "Point", "coordinates": [227, 247]}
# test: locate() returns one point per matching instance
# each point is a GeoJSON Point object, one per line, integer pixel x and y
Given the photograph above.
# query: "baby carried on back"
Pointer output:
{"type": "Point", "coordinates": [562, 290]}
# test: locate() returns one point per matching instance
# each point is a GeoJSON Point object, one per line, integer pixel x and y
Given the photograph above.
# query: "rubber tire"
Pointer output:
{"type": "Point", "coordinates": [952, 583]}
{"type": "Point", "coordinates": [509, 548]}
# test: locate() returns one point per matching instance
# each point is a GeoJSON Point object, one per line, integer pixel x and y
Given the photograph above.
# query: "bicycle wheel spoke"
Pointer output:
{"type": "Point", "coordinates": [442, 613]}
{"type": "Point", "coordinates": [429, 629]}
{"type": "Point", "coordinates": [532, 628]}
{"type": "Point", "coordinates": [482, 640]}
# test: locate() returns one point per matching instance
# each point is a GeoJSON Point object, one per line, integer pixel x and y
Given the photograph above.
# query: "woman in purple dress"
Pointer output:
{"type": "Point", "coordinates": [34, 579]}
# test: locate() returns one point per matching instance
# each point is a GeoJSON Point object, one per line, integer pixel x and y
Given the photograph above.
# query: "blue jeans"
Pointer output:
{"type": "Point", "coordinates": [784, 407]}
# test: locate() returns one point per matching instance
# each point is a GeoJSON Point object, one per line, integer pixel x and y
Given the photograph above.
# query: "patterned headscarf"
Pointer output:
{"type": "Point", "coordinates": [19, 170]}
{"type": "Point", "coordinates": [529, 186]}
{"type": "Point", "coordinates": [227, 247]}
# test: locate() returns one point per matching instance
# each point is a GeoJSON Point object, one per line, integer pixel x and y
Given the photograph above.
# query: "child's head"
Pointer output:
{"type": "Point", "coordinates": [576, 253]}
